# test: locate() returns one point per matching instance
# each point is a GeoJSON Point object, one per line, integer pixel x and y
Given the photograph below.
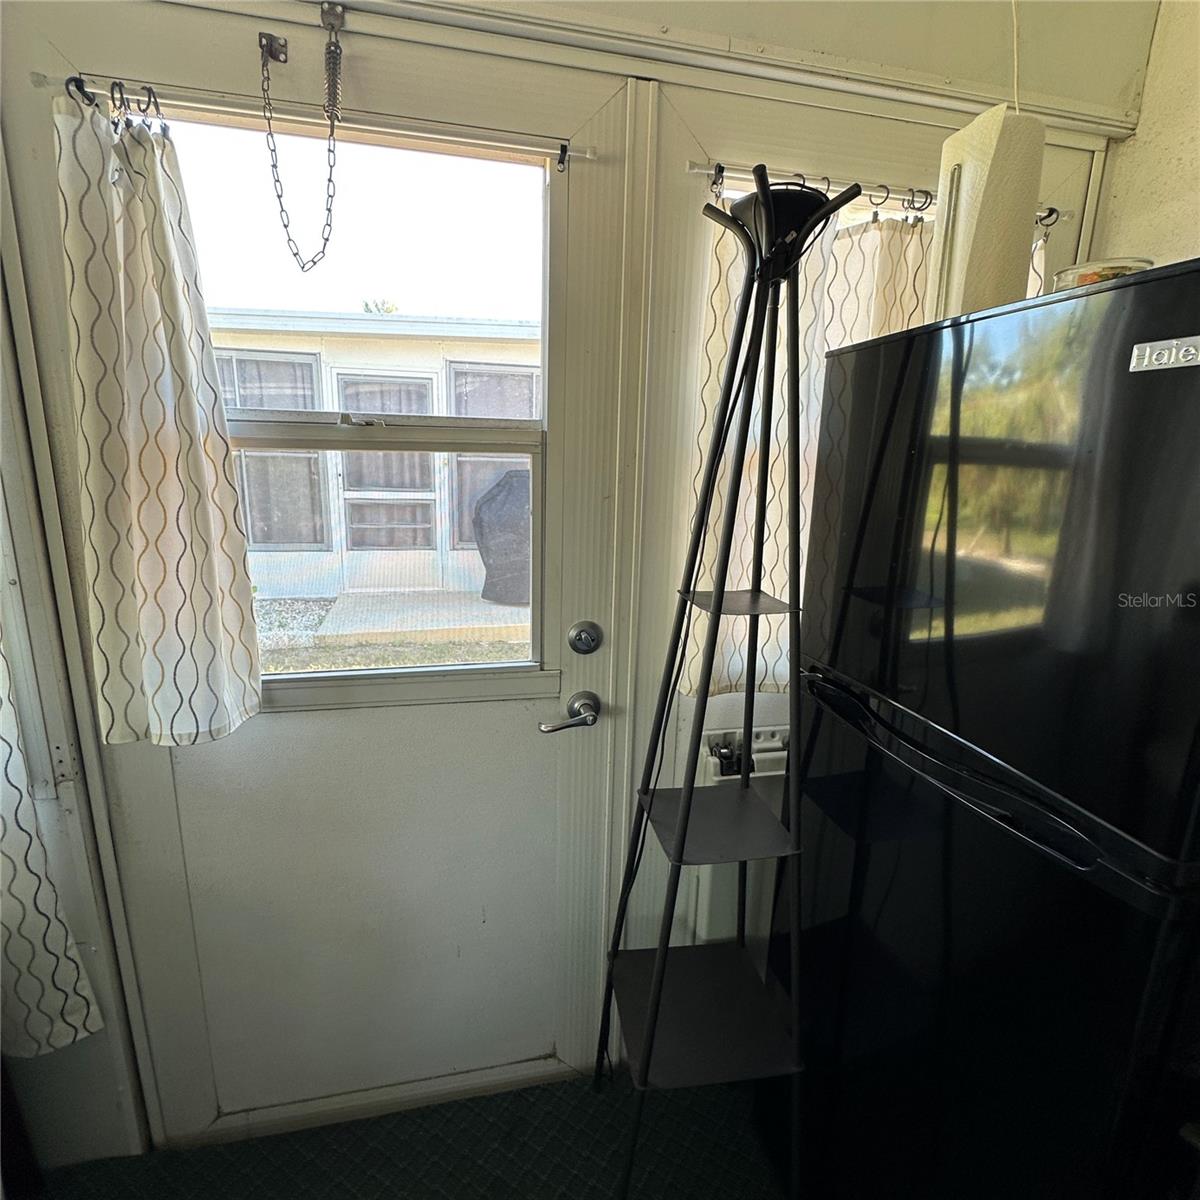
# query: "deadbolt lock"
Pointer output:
{"type": "Point", "coordinates": [585, 637]}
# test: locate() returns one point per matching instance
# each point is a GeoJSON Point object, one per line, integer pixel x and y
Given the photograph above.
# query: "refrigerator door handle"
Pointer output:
{"type": "Point", "coordinates": [1074, 849]}
{"type": "Point", "coordinates": [1088, 858]}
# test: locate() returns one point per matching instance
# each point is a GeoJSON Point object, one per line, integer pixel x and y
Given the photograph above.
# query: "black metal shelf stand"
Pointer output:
{"type": "Point", "coordinates": [701, 1014]}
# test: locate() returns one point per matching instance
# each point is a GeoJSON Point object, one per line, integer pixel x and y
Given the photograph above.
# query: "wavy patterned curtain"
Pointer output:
{"type": "Point", "coordinates": [859, 282]}
{"type": "Point", "coordinates": [47, 999]}
{"type": "Point", "coordinates": [174, 645]}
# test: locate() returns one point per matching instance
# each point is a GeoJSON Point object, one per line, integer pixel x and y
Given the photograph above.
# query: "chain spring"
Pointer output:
{"type": "Point", "coordinates": [333, 113]}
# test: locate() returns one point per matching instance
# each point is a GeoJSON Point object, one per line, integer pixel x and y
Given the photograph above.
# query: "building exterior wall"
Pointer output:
{"type": "Point", "coordinates": [396, 353]}
{"type": "Point", "coordinates": [336, 568]}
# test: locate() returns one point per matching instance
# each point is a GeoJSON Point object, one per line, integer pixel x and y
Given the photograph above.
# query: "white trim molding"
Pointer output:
{"type": "Point", "coordinates": [686, 57]}
{"type": "Point", "coordinates": [408, 685]}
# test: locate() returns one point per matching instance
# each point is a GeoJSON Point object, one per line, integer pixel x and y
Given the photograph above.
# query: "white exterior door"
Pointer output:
{"type": "Point", "coordinates": [386, 888]}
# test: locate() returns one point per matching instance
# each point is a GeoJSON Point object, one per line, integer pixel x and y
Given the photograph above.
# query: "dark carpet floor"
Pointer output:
{"type": "Point", "coordinates": [557, 1140]}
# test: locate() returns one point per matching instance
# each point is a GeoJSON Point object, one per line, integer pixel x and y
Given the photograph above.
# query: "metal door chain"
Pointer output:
{"type": "Point", "coordinates": [332, 18]}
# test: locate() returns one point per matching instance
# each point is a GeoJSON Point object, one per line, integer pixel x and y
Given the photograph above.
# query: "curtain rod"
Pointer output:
{"type": "Point", "coordinates": [913, 199]}
{"type": "Point", "coordinates": [921, 198]}
{"type": "Point", "coordinates": [190, 103]}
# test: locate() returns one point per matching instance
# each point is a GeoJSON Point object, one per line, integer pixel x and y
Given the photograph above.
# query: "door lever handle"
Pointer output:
{"type": "Point", "coordinates": [583, 708]}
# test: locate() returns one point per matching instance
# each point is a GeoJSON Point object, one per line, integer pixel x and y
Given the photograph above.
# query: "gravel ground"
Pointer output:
{"type": "Point", "coordinates": [286, 659]}
{"type": "Point", "coordinates": [286, 624]}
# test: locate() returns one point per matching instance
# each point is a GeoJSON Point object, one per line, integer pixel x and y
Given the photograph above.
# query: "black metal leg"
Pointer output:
{"type": "Point", "coordinates": [795, 778]}
{"type": "Point", "coordinates": [797, 978]}
{"type": "Point", "coordinates": [642, 1069]}
{"type": "Point", "coordinates": [796, 1189]}
{"type": "Point", "coordinates": [639, 1102]}
{"type": "Point", "coordinates": [636, 826]}
{"type": "Point", "coordinates": [741, 904]}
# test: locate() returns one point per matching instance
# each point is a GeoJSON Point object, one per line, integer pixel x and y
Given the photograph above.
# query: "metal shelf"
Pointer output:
{"type": "Point", "coordinates": [741, 603]}
{"type": "Point", "coordinates": [727, 822]}
{"type": "Point", "coordinates": [717, 1022]}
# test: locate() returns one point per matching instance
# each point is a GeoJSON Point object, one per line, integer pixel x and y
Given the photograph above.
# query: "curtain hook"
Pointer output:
{"type": "Point", "coordinates": [801, 176]}
{"type": "Point", "coordinates": [926, 202]}
{"type": "Point", "coordinates": [717, 185]}
{"type": "Point", "coordinates": [120, 104]}
{"type": "Point", "coordinates": [911, 200]}
{"type": "Point", "coordinates": [76, 82]}
{"type": "Point", "coordinates": [828, 184]}
{"type": "Point", "coordinates": [151, 103]}
{"type": "Point", "coordinates": [887, 195]}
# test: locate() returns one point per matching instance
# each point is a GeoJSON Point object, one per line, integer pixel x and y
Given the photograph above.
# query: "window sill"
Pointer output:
{"type": "Point", "coordinates": [414, 685]}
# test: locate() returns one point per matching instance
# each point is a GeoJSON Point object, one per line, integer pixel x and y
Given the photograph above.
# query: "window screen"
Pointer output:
{"type": "Point", "coordinates": [494, 392]}
{"type": "Point", "coordinates": [284, 499]}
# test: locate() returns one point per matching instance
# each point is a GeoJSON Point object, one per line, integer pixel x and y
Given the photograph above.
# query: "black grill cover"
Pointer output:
{"type": "Point", "coordinates": [503, 533]}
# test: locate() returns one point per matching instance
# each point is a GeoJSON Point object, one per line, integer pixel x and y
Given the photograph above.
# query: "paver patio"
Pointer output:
{"type": "Point", "coordinates": [359, 618]}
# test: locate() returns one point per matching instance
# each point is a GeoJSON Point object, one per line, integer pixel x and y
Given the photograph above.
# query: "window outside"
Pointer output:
{"type": "Point", "coordinates": [391, 557]}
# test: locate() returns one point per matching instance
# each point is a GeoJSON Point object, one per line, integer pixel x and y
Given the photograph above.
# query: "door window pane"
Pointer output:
{"type": "Point", "coordinates": [354, 550]}
{"type": "Point", "coordinates": [389, 588]}
{"type": "Point", "coordinates": [494, 392]}
{"type": "Point", "coordinates": [368, 470]}
{"type": "Point", "coordinates": [388, 525]}
{"type": "Point", "coordinates": [284, 500]}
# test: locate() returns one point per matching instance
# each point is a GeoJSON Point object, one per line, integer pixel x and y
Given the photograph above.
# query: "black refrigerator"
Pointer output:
{"type": "Point", "coordinates": [1001, 753]}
